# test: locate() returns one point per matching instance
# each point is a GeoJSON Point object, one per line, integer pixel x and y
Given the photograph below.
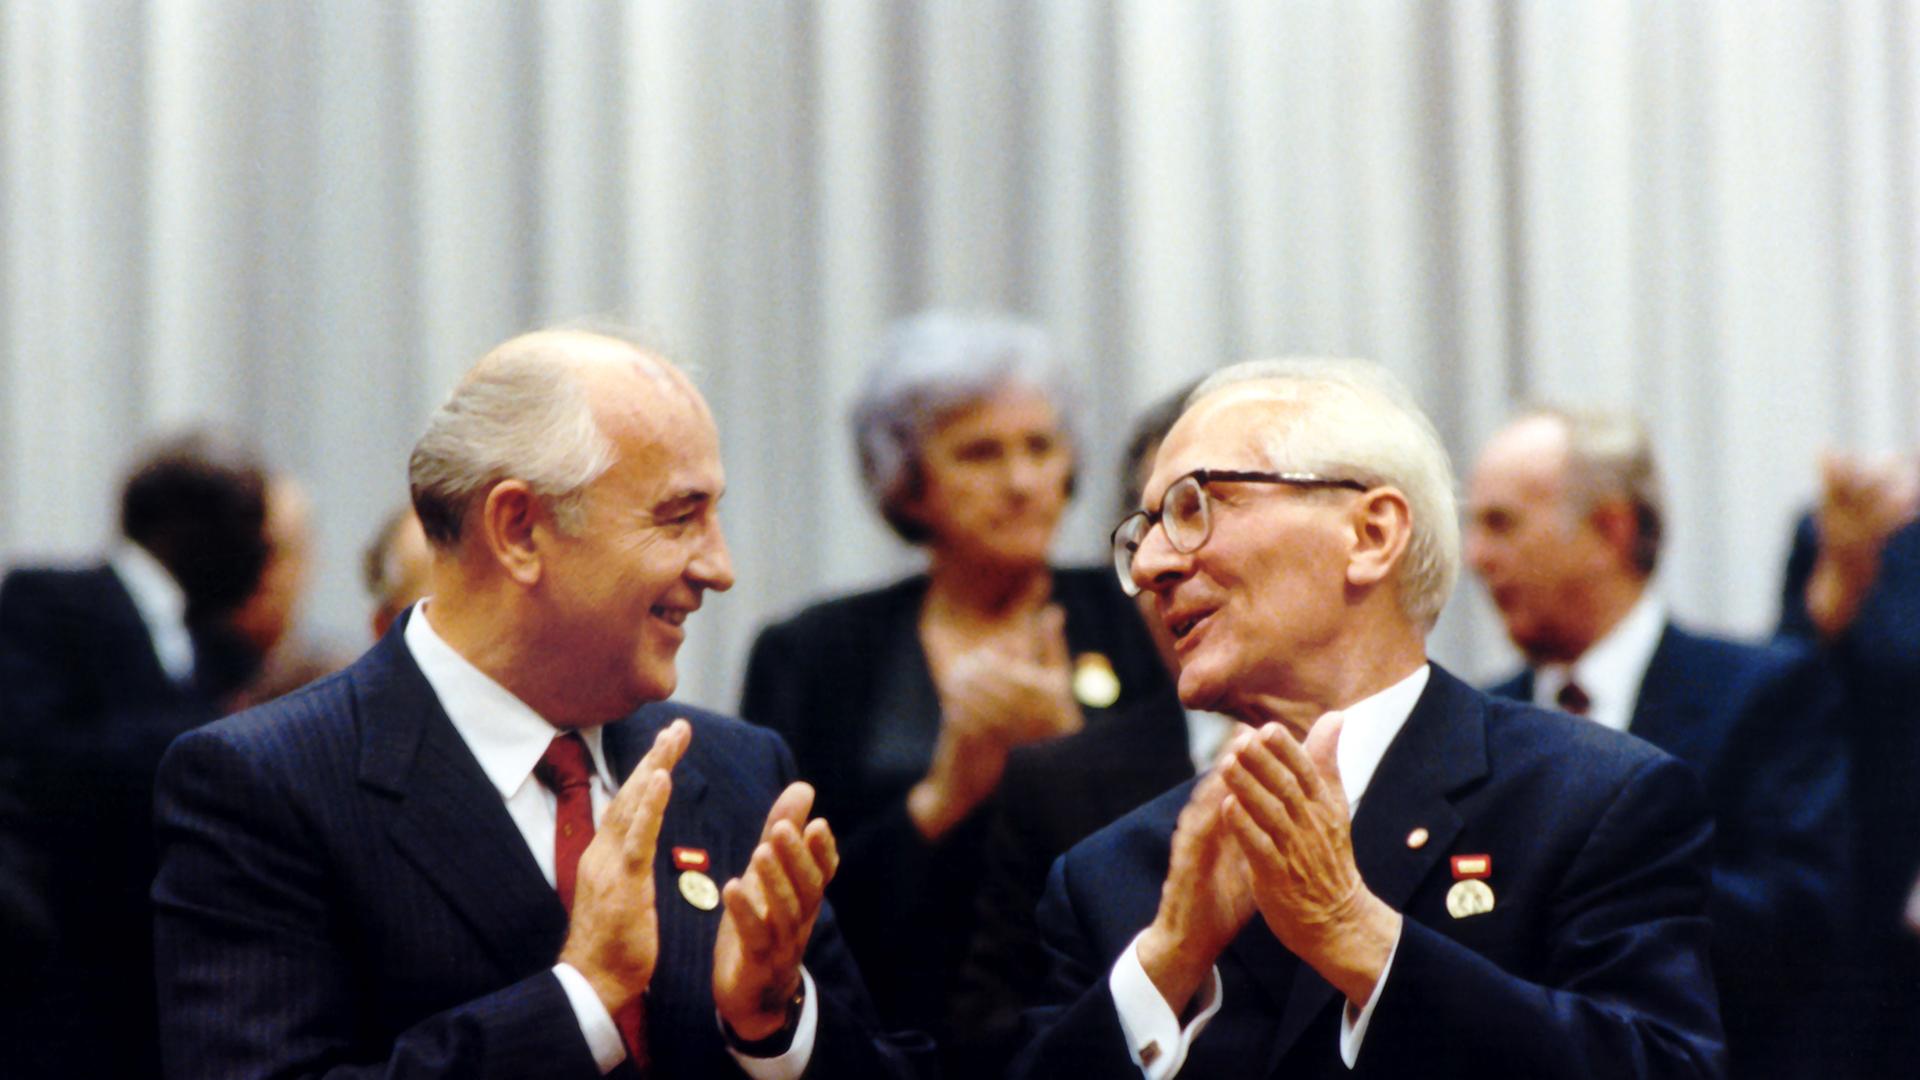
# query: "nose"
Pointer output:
{"type": "Point", "coordinates": [712, 565]}
{"type": "Point", "coordinates": [1156, 565]}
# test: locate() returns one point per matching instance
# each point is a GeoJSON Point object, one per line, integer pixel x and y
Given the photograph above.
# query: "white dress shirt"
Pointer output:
{"type": "Point", "coordinates": [508, 738]}
{"type": "Point", "coordinates": [1207, 732]}
{"type": "Point", "coordinates": [1612, 669]}
{"type": "Point", "coordinates": [1154, 1036]}
{"type": "Point", "coordinates": [161, 604]}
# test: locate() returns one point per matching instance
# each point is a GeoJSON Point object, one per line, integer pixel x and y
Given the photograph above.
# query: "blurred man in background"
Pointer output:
{"type": "Point", "coordinates": [395, 568]}
{"type": "Point", "coordinates": [1853, 589]}
{"type": "Point", "coordinates": [100, 667]}
{"type": "Point", "coordinates": [1565, 526]}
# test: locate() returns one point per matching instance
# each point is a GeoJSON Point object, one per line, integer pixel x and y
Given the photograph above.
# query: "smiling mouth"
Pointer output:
{"type": "Point", "coordinates": [672, 616]}
{"type": "Point", "coordinates": [1183, 627]}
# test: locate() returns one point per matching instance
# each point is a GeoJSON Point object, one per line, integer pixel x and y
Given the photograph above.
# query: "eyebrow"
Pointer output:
{"type": "Point", "coordinates": [683, 501]}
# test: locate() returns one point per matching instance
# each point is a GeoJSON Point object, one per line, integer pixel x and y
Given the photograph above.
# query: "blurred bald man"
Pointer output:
{"type": "Point", "coordinates": [395, 568]}
{"type": "Point", "coordinates": [1565, 528]}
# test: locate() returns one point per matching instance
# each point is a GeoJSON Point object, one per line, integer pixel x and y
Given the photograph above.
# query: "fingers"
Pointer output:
{"type": "Point", "coordinates": [1323, 750]}
{"type": "Point", "coordinates": [668, 747]}
{"type": "Point", "coordinates": [1050, 628]}
{"type": "Point", "coordinates": [643, 831]}
{"type": "Point", "coordinates": [791, 807]}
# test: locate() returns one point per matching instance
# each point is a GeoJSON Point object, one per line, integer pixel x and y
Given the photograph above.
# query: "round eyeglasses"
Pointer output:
{"type": "Point", "coordinates": [1186, 516]}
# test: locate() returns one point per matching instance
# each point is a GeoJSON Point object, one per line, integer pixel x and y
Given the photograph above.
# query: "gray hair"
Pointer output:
{"type": "Point", "coordinates": [521, 413]}
{"type": "Point", "coordinates": [1364, 425]}
{"type": "Point", "coordinates": [1610, 456]}
{"type": "Point", "coordinates": [927, 367]}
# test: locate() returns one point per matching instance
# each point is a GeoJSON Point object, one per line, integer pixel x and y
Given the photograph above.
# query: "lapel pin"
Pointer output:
{"type": "Point", "coordinates": [1094, 683]}
{"type": "Point", "coordinates": [1470, 894]}
{"type": "Point", "coordinates": [699, 890]}
{"type": "Point", "coordinates": [695, 886]}
{"type": "Point", "coordinates": [1417, 839]}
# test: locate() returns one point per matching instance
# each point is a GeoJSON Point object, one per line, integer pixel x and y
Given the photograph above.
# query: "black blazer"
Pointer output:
{"type": "Point", "coordinates": [1758, 724]}
{"type": "Point", "coordinates": [847, 684]}
{"type": "Point", "coordinates": [1054, 795]}
{"type": "Point", "coordinates": [343, 893]}
{"type": "Point", "coordinates": [85, 712]}
{"type": "Point", "coordinates": [1592, 963]}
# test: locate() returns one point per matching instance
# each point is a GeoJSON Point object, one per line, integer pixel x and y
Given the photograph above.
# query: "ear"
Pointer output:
{"type": "Point", "coordinates": [1382, 524]}
{"type": "Point", "coordinates": [510, 520]}
{"type": "Point", "coordinates": [1617, 525]}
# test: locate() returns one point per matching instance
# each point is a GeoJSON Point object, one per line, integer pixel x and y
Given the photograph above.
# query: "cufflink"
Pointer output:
{"type": "Point", "coordinates": [1150, 1053]}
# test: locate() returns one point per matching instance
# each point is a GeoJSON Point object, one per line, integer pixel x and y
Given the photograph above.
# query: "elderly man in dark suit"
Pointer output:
{"type": "Point", "coordinates": [100, 667]}
{"type": "Point", "coordinates": [1565, 526]}
{"type": "Point", "coordinates": [456, 858]}
{"type": "Point", "coordinates": [1391, 874]}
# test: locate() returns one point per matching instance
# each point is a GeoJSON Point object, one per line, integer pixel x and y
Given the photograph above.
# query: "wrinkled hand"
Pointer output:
{"type": "Point", "coordinates": [613, 936]}
{"type": "Point", "coordinates": [1204, 902]}
{"type": "Point", "coordinates": [770, 911]}
{"type": "Point", "coordinates": [1863, 502]}
{"type": "Point", "coordinates": [1012, 692]}
{"type": "Point", "coordinates": [1289, 812]}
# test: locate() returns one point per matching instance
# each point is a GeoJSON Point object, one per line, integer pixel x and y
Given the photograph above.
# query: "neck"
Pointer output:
{"type": "Point", "coordinates": [1354, 671]}
{"type": "Point", "coordinates": [476, 616]}
{"type": "Point", "coordinates": [987, 592]}
{"type": "Point", "coordinates": [1612, 600]}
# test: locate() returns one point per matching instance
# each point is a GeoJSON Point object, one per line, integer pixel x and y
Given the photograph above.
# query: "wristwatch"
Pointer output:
{"type": "Point", "coordinates": [777, 1043]}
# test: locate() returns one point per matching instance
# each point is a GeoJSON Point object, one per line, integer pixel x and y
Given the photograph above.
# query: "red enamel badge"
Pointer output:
{"type": "Point", "coordinates": [691, 858]}
{"type": "Point", "coordinates": [1472, 866]}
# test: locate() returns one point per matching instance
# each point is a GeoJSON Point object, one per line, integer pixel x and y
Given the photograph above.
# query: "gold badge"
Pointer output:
{"type": "Point", "coordinates": [1094, 683]}
{"type": "Point", "coordinates": [1469, 897]}
{"type": "Point", "coordinates": [699, 890]}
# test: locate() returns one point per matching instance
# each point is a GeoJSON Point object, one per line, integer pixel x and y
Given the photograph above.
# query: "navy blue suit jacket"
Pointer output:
{"type": "Point", "coordinates": [86, 710]}
{"type": "Point", "coordinates": [343, 893]}
{"type": "Point", "coordinates": [1592, 963]}
{"type": "Point", "coordinates": [1758, 723]}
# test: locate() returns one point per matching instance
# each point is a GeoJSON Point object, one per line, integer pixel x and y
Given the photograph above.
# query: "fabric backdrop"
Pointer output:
{"type": "Point", "coordinates": [301, 221]}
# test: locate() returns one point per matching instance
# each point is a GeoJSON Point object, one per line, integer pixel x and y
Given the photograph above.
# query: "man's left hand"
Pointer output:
{"type": "Point", "coordinates": [769, 917]}
{"type": "Point", "coordinates": [1289, 811]}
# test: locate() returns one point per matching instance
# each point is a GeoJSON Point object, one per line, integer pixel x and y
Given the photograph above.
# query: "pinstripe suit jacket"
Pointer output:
{"type": "Point", "coordinates": [342, 893]}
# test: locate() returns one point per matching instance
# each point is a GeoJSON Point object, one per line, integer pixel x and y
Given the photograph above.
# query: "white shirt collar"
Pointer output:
{"type": "Point", "coordinates": [1612, 669]}
{"type": "Point", "coordinates": [504, 733]}
{"type": "Point", "coordinates": [162, 605]}
{"type": "Point", "coordinates": [1371, 725]}
{"type": "Point", "coordinates": [1207, 732]}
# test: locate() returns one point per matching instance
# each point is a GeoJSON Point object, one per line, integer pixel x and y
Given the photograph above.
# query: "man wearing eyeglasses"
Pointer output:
{"type": "Point", "coordinates": [1391, 874]}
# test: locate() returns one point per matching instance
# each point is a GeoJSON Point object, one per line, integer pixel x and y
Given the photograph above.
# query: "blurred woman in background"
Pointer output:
{"type": "Point", "coordinates": [901, 704]}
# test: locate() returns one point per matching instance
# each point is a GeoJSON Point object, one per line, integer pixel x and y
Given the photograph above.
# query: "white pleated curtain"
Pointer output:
{"type": "Point", "coordinates": [303, 220]}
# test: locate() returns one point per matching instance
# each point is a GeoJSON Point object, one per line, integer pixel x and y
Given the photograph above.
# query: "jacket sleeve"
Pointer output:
{"type": "Point", "coordinates": [254, 975]}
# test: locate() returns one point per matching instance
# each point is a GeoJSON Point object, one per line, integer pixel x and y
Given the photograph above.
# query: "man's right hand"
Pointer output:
{"type": "Point", "coordinates": [613, 937]}
{"type": "Point", "coordinates": [1863, 502]}
{"type": "Point", "coordinates": [1206, 900]}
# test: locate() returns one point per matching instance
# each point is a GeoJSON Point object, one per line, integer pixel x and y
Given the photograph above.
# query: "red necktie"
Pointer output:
{"type": "Point", "coordinates": [1573, 699]}
{"type": "Point", "coordinates": [567, 772]}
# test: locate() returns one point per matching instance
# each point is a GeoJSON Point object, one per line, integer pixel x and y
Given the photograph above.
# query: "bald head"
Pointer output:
{"type": "Point", "coordinates": [545, 407]}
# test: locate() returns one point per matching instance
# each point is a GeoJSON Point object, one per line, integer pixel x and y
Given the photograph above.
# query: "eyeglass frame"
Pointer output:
{"type": "Point", "coordinates": [1202, 478]}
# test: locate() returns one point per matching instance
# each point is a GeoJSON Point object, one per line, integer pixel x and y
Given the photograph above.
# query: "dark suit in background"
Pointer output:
{"type": "Point", "coordinates": [344, 893]}
{"type": "Point", "coordinates": [846, 683]}
{"type": "Point", "coordinates": [88, 711]}
{"type": "Point", "coordinates": [1592, 963]}
{"type": "Point", "coordinates": [1878, 660]}
{"type": "Point", "coordinates": [1757, 723]}
{"type": "Point", "coordinates": [1054, 795]}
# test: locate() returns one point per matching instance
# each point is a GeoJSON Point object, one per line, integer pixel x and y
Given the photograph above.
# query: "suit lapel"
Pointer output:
{"type": "Point", "coordinates": [1666, 711]}
{"type": "Point", "coordinates": [449, 820]}
{"type": "Point", "coordinates": [1441, 750]}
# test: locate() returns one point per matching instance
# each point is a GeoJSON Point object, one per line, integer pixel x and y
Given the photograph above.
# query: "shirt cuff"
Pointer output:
{"type": "Point", "coordinates": [603, 1037]}
{"type": "Point", "coordinates": [1155, 1039]}
{"type": "Point", "coordinates": [790, 1065]}
{"type": "Point", "coordinates": [1353, 1022]}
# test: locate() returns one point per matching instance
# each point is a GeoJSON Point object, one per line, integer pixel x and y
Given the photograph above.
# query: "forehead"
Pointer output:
{"type": "Point", "coordinates": [1525, 460]}
{"type": "Point", "coordinates": [1226, 430]}
{"type": "Point", "coordinates": [663, 433]}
